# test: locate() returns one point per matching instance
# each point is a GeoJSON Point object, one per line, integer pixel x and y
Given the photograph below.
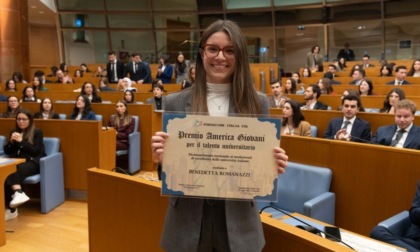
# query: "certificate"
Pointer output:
{"type": "Point", "coordinates": [220, 157]}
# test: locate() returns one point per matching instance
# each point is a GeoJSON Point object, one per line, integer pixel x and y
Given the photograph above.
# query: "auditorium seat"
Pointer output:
{"type": "Point", "coordinates": [397, 224]}
{"type": "Point", "coordinates": [133, 151]}
{"type": "Point", "coordinates": [2, 143]}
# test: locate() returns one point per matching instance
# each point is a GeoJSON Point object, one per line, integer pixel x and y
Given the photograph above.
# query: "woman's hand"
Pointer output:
{"type": "Point", "coordinates": [158, 141]}
{"type": "Point", "coordinates": [281, 159]}
{"type": "Point", "coordinates": [16, 137]}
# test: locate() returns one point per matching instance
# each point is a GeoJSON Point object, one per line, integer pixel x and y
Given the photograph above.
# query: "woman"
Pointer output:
{"type": "Point", "coordinates": [181, 69]}
{"type": "Point", "coordinates": [78, 73]}
{"type": "Point", "coordinates": [325, 84]}
{"type": "Point", "coordinates": [46, 110]}
{"type": "Point", "coordinates": [157, 100]}
{"type": "Point", "coordinates": [366, 87]}
{"type": "Point", "coordinates": [98, 72]}
{"type": "Point", "coordinates": [191, 78]}
{"type": "Point", "coordinates": [37, 84]}
{"type": "Point", "coordinates": [29, 95]}
{"type": "Point", "coordinates": [290, 87]}
{"type": "Point", "coordinates": [165, 70]}
{"type": "Point", "coordinates": [129, 96]}
{"type": "Point", "coordinates": [123, 124]}
{"type": "Point", "coordinates": [342, 63]}
{"type": "Point", "coordinates": [63, 68]}
{"type": "Point", "coordinates": [296, 77]}
{"type": "Point", "coordinates": [415, 69]}
{"type": "Point", "coordinates": [104, 86]}
{"type": "Point", "coordinates": [89, 90]}
{"type": "Point", "coordinates": [13, 107]}
{"type": "Point", "coordinates": [386, 70]}
{"type": "Point", "coordinates": [293, 122]}
{"type": "Point", "coordinates": [393, 96]}
{"type": "Point", "coordinates": [125, 84]}
{"type": "Point", "coordinates": [18, 77]}
{"type": "Point", "coordinates": [84, 68]}
{"type": "Point", "coordinates": [11, 85]}
{"type": "Point", "coordinates": [82, 109]}
{"type": "Point", "coordinates": [314, 60]}
{"type": "Point", "coordinates": [306, 72]}
{"type": "Point", "coordinates": [25, 142]}
{"type": "Point", "coordinates": [223, 84]}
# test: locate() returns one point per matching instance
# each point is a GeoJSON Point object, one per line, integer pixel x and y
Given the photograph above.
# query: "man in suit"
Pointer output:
{"type": "Point", "coordinates": [402, 134]}
{"type": "Point", "coordinates": [346, 53]}
{"type": "Point", "coordinates": [138, 70]}
{"type": "Point", "coordinates": [411, 239]}
{"type": "Point", "coordinates": [400, 74]}
{"type": "Point", "coordinates": [358, 76]}
{"type": "Point", "coordinates": [277, 99]}
{"type": "Point", "coordinates": [349, 127]}
{"type": "Point", "coordinates": [366, 62]}
{"type": "Point", "coordinates": [312, 93]}
{"type": "Point", "coordinates": [114, 68]}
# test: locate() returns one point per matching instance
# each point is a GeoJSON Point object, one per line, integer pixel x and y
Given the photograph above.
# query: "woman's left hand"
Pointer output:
{"type": "Point", "coordinates": [281, 159]}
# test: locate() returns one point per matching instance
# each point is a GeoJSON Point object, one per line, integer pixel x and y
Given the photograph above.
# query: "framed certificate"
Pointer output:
{"type": "Point", "coordinates": [220, 157]}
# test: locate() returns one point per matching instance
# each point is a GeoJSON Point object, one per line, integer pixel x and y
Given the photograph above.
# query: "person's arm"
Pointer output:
{"type": "Point", "coordinates": [34, 149]}
{"type": "Point", "coordinates": [148, 75]}
{"type": "Point", "coordinates": [329, 132]}
{"type": "Point", "coordinates": [91, 116]}
{"type": "Point", "coordinates": [306, 128]}
{"type": "Point", "coordinates": [367, 133]}
{"type": "Point", "coordinates": [167, 73]}
{"type": "Point", "coordinates": [126, 131]}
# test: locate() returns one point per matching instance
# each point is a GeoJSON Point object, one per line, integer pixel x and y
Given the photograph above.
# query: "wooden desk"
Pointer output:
{"type": "Point", "coordinates": [6, 168]}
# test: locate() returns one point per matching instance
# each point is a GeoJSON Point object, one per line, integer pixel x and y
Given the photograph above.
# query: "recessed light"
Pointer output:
{"type": "Point", "coordinates": [41, 12]}
{"type": "Point", "coordinates": [33, 7]}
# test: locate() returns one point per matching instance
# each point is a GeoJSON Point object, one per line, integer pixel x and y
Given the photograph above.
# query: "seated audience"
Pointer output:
{"type": "Point", "coordinates": [402, 134]}
{"type": "Point", "coordinates": [84, 68]}
{"type": "Point", "coordinates": [41, 75]}
{"type": "Point", "coordinates": [11, 86]}
{"type": "Point", "coordinates": [326, 86]}
{"type": "Point", "coordinates": [394, 95]}
{"type": "Point", "coordinates": [129, 96]}
{"type": "Point", "coordinates": [415, 69]}
{"type": "Point", "coordinates": [293, 122]}
{"type": "Point", "coordinates": [330, 76]}
{"type": "Point", "coordinates": [366, 87]}
{"type": "Point", "coordinates": [13, 107]}
{"type": "Point", "coordinates": [123, 124]}
{"type": "Point", "coordinates": [26, 142]}
{"type": "Point", "coordinates": [29, 95]}
{"type": "Point", "coordinates": [290, 86]}
{"type": "Point", "coordinates": [37, 84]}
{"type": "Point", "coordinates": [366, 63]}
{"type": "Point", "coordinates": [277, 99]}
{"type": "Point", "coordinates": [350, 92]}
{"type": "Point", "coordinates": [306, 72]}
{"type": "Point", "coordinates": [349, 127]}
{"type": "Point", "coordinates": [312, 93]}
{"type": "Point", "coordinates": [342, 63]}
{"type": "Point", "coordinates": [98, 72]}
{"type": "Point", "coordinates": [46, 110]}
{"type": "Point", "coordinates": [18, 77]}
{"type": "Point", "coordinates": [53, 73]}
{"type": "Point", "coordinates": [64, 68]}
{"type": "Point", "coordinates": [125, 84]}
{"type": "Point", "coordinates": [104, 86]}
{"type": "Point", "coordinates": [63, 77]}
{"type": "Point", "coordinates": [385, 71]}
{"type": "Point", "coordinates": [157, 100]}
{"type": "Point", "coordinates": [296, 77]}
{"type": "Point", "coordinates": [358, 75]}
{"type": "Point", "coordinates": [89, 90]}
{"type": "Point", "coordinates": [191, 78]}
{"type": "Point", "coordinates": [78, 73]}
{"type": "Point", "coordinates": [355, 67]}
{"type": "Point", "coordinates": [400, 74]}
{"type": "Point", "coordinates": [333, 70]}
{"type": "Point", "coordinates": [82, 109]}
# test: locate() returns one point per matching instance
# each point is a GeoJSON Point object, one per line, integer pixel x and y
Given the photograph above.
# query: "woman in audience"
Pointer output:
{"type": "Point", "coordinates": [415, 69]}
{"type": "Point", "coordinates": [325, 84]}
{"type": "Point", "coordinates": [293, 122]}
{"type": "Point", "coordinates": [11, 85]}
{"type": "Point", "coordinates": [290, 87]}
{"type": "Point", "coordinates": [104, 85]}
{"type": "Point", "coordinates": [82, 109]}
{"type": "Point", "coordinates": [98, 72]}
{"type": "Point", "coordinates": [63, 68]}
{"type": "Point", "coordinates": [13, 107]}
{"type": "Point", "coordinates": [191, 78]}
{"type": "Point", "coordinates": [18, 77]}
{"type": "Point", "coordinates": [393, 96]}
{"type": "Point", "coordinates": [342, 64]}
{"type": "Point", "coordinates": [125, 84]}
{"type": "Point", "coordinates": [89, 90]}
{"type": "Point", "coordinates": [306, 72]}
{"type": "Point", "coordinates": [46, 110]}
{"type": "Point", "coordinates": [129, 96]}
{"type": "Point", "coordinates": [366, 87]}
{"type": "Point", "coordinates": [29, 95]}
{"type": "Point", "coordinates": [123, 124]}
{"type": "Point", "coordinates": [78, 73]}
{"type": "Point", "coordinates": [165, 70]}
{"type": "Point", "coordinates": [84, 68]}
{"type": "Point", "coordinates": [296, 77]}
{"type": "Point", "coordinates": [181, 69]}
{"type": "Point", "coordinates": [386, 70]}
{"type": "Point", "coordinates": [37, 84]}
{"type": "Point", "coordinates": [157, 100]}
{"type": "Point", "coordinates": [25, 142]}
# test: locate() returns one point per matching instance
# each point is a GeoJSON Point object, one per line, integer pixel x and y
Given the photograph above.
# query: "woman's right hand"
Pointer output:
{"type": "Point", "coordinates": [158, 142]}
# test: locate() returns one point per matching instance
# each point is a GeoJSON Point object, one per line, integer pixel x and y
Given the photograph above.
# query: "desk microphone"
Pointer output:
{"type": "Point", "coordinates": [362, 140]}
{"type": "Point", "coordinates": [308, 227]}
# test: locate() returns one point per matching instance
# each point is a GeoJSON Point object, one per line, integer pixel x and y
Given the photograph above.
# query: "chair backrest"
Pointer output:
{"type": "Point", "coordinates": [62, 116]}
{"type": "Point", "coordinates": [136, 123]}
{"type": "Point", "coordinates": [98, 117]}
{"type": "Point", "coordinates": [51, 145]}
{"type": "Point", "coordinates": [314, 131]}
{"type": "Point", "coordinates": [2, 143]}
{"type": "Point", "coordinates": [301, 183]}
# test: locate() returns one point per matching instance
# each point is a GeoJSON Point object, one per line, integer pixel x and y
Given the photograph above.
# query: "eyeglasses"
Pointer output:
{"type": "Point", "coordinates": [22, 119]}
{"type": "Point", "coordinates": [13, 101]}
{"type": "Point", "coordinates": [212, 51]}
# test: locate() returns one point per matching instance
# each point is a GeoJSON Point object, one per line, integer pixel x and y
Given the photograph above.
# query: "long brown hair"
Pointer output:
{"type": "Point", "coordinates": [243, 96]}
{"type": "Point", "coordinates": [29, 132]}
{"type": "Point", "coordinates": [126, 117]}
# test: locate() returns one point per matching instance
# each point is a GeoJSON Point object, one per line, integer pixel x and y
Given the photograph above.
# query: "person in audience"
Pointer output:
{"type": "Point", "coordinates": [411, 239]}
{"type": "Point", "coordinates": [18, 77]}
{"type": "Point", "coordinates": [346, 53]}
{"type": "Point", "coordinates": [89, 90]}
{"type": "Point", "coordinates": [158, 99]}
{"type": "Point", "coordinates": [123, 124]}
{"type": "Point", "coordinates": [84, 69]}
{"type": "Point", "coordinates": [82, 109]}
{"type": "Point", "coordinates": [330, 76]}
{"type": "Point", "coordinates": [64, 68]}
{"type": "Point", "coordinates": [293, 122]}
{"type": "Point", "coordinates": [296, 77]}
{"type": "Point", "coordinates": [78, 73]}
{"type": "Point", "coordinates": [290, 86]}
{"type": "Point", "coordinates": [114, 68]}
{"type": "Point", "coordinates": [11, 86]}
{"type": "Point", "coordinates": [355, 67]}
{"type": "Point", "coordinates": [404, 133]}
{"type": "Point", "coordinates": [277, 99]}
{"type": "Point", "coordinates": [165, 69]}
{"type": "Point", "coordinates": [314, 60]}
{"type": "Point", "coordinates": [181, 69]}
{"type": "Point", "coordinates": [125, 84]}
{"type": "Point", "coordinates": [138, 70]}
{"type": "Point", "coordinates": [13, 107]}
{"type": "Point", "coordinates": [98, 72]}
{"type": "Point", "coordinates": [342, 63]}
{"type": "Point", "coordinates": [333, 70]}
{"type": "Point", "coordinates": [365, 60]}
{"type": "Point", "coordinates": [191, 78]}
{"type": "Point", "coordinates": [306, 72]}
{"type": "Point", "coordinates": [53, 73]}
{"type": "Point", "coordinates": [37, 84]}
{"type": "Point", "coordinates": [325, 84]}
{"type": "Point", "coordinates": [25, 142]}
{"type": "Point", "coordinates": [104, 85]}
{"type": "Point", "coordinates": [63, 78]}
{"type": "Point", "coordinates": [337, 66]}
{"type": "Point", "coordinates": [129, 96]}
{"type": "Point", "coordinates": [358, 76]}
{"type": "Point", "coordinates": [385, 71]}
{"type": "Point", "coordinates": [400, 74]}
{"type": "Point", "coordinates": [394, 95]}
{"type": "Point", "coordinates": [46, 110]}
{"type": "Point", "coordinates": [312, 93]}
{"type": "Point", "coordinates": [350, 92]}
{"type": "Point", "coordinates": [28, 95]}
{"type": "Point", "coordinates": [415, 69]}
{"type": "Point", "coordinates": [41, 75]}
{"type": "Point", "coordinates": [366, 87]}
{"type": "Point", "coordinates": [349, 127]}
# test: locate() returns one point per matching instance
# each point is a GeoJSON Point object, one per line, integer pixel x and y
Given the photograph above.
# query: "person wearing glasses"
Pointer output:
{"type": "Point", "coordinates": [25, 142]}
{"type": "Point", "coordinates": [13, 107]}
{"type": "Point", "coordinates": [223, 84]}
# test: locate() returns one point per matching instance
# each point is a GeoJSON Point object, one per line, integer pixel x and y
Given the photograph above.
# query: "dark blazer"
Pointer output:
{"type": "Point", "coordinates": [393, 82]}
{"type": "Point", "coordinates": [31, 152]}
{"type": "Point", "coordinates": [413, 231]}
{"type": "Point", "coordinates": [182, 226]}
{"type": "Point", "coordinates": [353, 82]}
{"type": "Point", "coordinates": [166, 75]}
{"type": "Point", "coordinates": [120, 72]}
{"type": "Point", "coordinates": [38, 115]}
{"type": "Point", "coordinates": [89, 116]}
{"type": "Point", "coordinates": [361, 129]}
{"type": "Point", "coordinates": [348, 54]}
{"type": "Point", "coordinates": [151, 100]}
{"type": "Point", "coordinates": [384, 136]}
{"type": "Point", "coordinates": [318, 106]}
{"type": "Point", "coordinates": [142, 73]}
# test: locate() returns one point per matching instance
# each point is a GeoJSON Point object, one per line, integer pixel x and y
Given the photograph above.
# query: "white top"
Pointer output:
{"type": "Point", "coordinates": [218, 99]}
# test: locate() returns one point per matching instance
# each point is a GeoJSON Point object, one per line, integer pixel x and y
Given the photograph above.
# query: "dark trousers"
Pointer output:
{"type": "Point", "coordinates": [383, 234]}
{"type": "Point", "coordinates": [23, 171]}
